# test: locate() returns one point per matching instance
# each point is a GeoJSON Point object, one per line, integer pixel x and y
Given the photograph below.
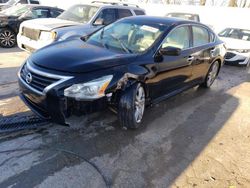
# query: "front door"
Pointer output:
{"type": "Point", "coordinates": [174, 72]}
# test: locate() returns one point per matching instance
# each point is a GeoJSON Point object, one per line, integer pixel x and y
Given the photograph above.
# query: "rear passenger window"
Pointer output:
{"type": "Point", "coordinates": [23, 2]}
{"type": "Point", "coordinates": [122, 13]}
{"type": "Point", "coordinates": [139, 12]}
{"type": "Point", "coordinates": [200, 36]}
{"type": "Point", "coordinates": [212, 37]}
{"type": "Point", "coordinates": [178, 38]}
{"type": "Point", "coordinates": [34, 2]}
{"type": "Point", "coordinates": [40, 13]}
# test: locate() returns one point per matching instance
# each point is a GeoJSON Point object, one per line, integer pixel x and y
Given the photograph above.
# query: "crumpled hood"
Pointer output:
{"type": "Point", "coordinates": [236, 43]}
{"type": "Point", "coordinates": [48, 24]}
{"type": "Point", "coordinates": [76, 56]}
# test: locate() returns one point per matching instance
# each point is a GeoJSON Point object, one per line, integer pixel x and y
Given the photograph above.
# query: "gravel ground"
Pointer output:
{"type": "Point", "coordinates": [200, 138]}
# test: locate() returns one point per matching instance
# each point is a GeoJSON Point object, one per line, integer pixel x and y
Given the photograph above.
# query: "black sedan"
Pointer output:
{"type": "Point", "coordinates": [126, 66]}
{"type": "Point", "coordinates": [11, 18]}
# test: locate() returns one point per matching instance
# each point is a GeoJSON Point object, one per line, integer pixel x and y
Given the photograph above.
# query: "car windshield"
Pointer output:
{"type": "Point", "coordinates": [127, 36]}
{"type": "Point", "coordinates": [79, 13]}
{"type": "Point", "coordinates": [17, 10]}
{"type": "Point", "coordinates": [241, 34]}
{"type": "Point", "coordinates": [12, 2]}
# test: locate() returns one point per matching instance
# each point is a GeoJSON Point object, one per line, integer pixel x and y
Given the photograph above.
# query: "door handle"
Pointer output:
{"type": "Point", "coordinates": [190, 59]}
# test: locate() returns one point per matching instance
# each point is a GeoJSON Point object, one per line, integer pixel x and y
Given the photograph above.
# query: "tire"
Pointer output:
{"type": "Point", "coordinates": [132, 106]}
{"type": "Point", "coordinates": [211, 75]}
{"type": "Point", "coordinates": [7, 38]}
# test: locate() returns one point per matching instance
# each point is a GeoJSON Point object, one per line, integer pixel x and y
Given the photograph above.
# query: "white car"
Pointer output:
{"type": "Point", "coordinates": [4, 4]}
{"type": "Point", "coordinates": [238, 46]}
{"type": "Point", "coordinates": [79, 20]}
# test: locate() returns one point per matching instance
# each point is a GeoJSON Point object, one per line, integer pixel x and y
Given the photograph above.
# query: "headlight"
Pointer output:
{"type": "Point", "coordinates": [94, 89]}
{"type": "Point", "coordinates": [47, 36]}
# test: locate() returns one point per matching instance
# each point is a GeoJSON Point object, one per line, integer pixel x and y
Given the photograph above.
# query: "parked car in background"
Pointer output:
{"type": "Point", "coordinates": [9, 3]}
{"type": "Point", "coordinates": [77, 21]}
{"type": "Point", "coordinates": [3, 1]}
{"type": "Point", "coordinates": [2, 4]}
{"type": "Point", "coordinates": [126, 66]}
{"type": "Point", "coordinates": [237, 41]}
{"type": "Point", "coordinates": [11, 18]}
{"type": "Point", "coordinates": [186, 16]}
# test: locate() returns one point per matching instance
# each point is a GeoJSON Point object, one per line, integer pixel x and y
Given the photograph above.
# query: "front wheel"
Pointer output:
{"type": "Point", "coordinates": [7, 38]}
{"type": "Point", "coordinates": [211, 75]}
{"type": "Point", "coordinates": [131, 107]}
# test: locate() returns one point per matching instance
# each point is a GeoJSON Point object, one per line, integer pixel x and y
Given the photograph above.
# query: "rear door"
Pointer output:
{"type": "Point", "coordinates": [174, 72]}
{"type": "Point", "coordinates": [203, 50]}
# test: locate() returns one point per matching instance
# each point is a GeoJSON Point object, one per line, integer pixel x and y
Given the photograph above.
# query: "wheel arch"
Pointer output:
{"type": "Point", "coordinates": [8, 27]}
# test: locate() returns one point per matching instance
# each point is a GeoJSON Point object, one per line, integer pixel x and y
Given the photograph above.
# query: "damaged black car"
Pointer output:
{"type": "Point", "coordinates": [126, 66]}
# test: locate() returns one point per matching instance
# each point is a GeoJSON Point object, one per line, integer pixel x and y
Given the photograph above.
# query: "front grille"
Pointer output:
{"type": "Point", "coordinates": [229, 55]}
{"type": "Point", "coordinates": [32, 34]}
{"type": "Point", "coordinates": [38, 82]}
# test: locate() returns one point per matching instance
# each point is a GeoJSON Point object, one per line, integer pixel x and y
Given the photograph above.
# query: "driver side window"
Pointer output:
{"type": "Point", "coordinates": [108, 15]}
{"type": "Point", "coordinates": [40, 13]}
{"type": "Point", "coordinates": [178, 38]}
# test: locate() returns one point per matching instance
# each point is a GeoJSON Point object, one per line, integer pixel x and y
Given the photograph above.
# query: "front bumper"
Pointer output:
{"type": "Point", "coordinates": [237, 59]}
{"type": "Point", "coordinates": [58, 109]}
{"type": "Point", "coordinates": [29, 45]}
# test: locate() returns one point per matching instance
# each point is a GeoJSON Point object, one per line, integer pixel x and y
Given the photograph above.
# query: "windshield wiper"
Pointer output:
{"type": "Point", "coordinates": [101, 38]}
{"type": "Point", "coordinates": [124, 47]}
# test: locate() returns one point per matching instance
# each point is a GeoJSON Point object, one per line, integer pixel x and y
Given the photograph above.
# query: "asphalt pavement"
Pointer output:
{"type": "Point", "coordinates": [200, 138]}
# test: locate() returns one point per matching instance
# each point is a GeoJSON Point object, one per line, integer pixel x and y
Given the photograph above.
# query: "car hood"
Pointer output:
{"type": "Point", "coordinates": [236, 43]}
{"type": "Point", "coordinates": [76, 56]}
{"type": "Point", "coordinates": [77, 30]}
{"type": "Point", "coordinates": [48, 24]}
{"type": "Point", "coordinates": [4, 16]}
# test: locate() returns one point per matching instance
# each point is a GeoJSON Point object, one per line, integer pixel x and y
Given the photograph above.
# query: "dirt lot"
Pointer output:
{"type": "Point", "coordinates": [200, 138]}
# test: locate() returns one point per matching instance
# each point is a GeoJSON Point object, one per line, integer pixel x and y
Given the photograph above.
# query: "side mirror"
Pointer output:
{"type": "Point", "coordinates": [85, 38]}
{"type": "Point", "coordinates": [98, 22]}
{"type": "Point", "coordinates": [171, 51]}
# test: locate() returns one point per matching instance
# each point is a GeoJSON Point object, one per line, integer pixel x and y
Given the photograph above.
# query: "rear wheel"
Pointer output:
{"type": "Point", "coordinates": [131, 106]}
{"type": "Point", "coordinates": [212, 74]}
{"type": "Point", "coordinates": [7, 38]}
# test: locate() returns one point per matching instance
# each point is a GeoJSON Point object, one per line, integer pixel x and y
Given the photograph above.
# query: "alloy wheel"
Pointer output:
{"type": "Point", "coordinates": [212, 73]}
{"type": "Point", "coordinates": [7, 38]}
{"type": "Point", "coordinates": [139, 104]}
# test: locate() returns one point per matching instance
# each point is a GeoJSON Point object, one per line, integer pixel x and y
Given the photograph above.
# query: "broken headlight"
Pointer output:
{"type": "Point", "coordinates": [94, 89]}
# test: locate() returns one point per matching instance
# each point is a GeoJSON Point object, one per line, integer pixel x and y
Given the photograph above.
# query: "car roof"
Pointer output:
{"type": "Point", "coordinates": [112, 5]}
{"type": "Point", "coordinates": [183, 13]}
{"type": "Point", "coordinates": [163, 20]}
{"type": "Point", "coordinates": [42, 6]}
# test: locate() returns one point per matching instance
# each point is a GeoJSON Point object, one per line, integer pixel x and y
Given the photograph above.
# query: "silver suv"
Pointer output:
{"type": "Point", "coordinates": [79, 20]}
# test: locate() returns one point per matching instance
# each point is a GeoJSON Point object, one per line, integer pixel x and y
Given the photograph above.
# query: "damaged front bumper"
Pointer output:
{"type": "Point", "coordinates": [48, 101]}
{"type": "Point", "coordinates": [56, 108]}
